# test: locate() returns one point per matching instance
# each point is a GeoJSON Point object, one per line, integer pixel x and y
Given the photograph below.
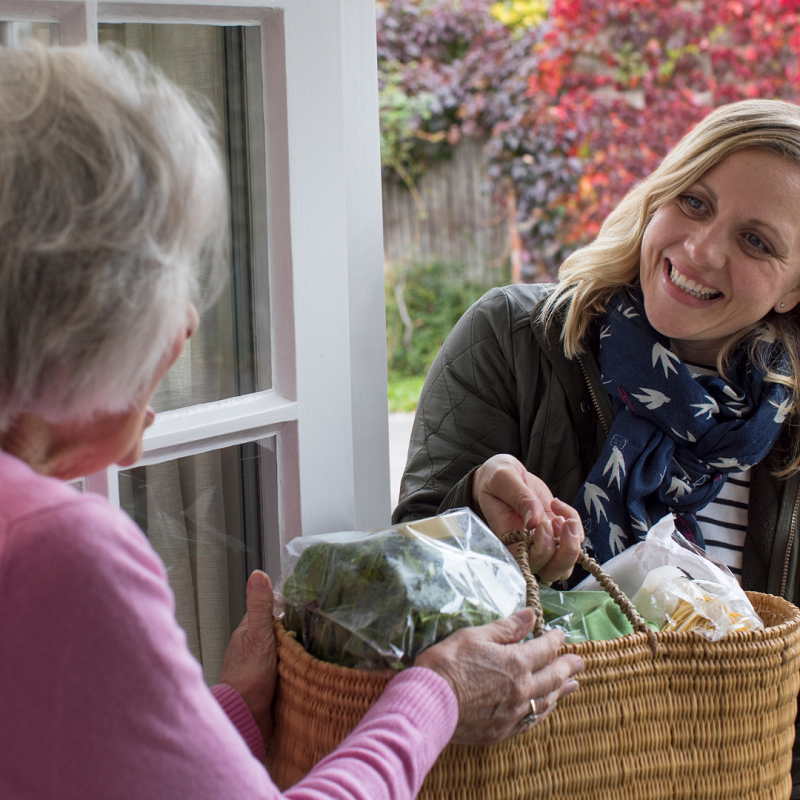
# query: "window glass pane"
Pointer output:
{"type": "Point", "coordinates": [18, 34]}
{"type": "Point", "coordinates": [203, 516]}
{"type": "Point", "coordinates": [223, 359]}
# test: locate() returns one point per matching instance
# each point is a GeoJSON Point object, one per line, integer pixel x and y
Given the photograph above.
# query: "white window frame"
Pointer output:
{"type": "Point", "coordinates": [324, 257]}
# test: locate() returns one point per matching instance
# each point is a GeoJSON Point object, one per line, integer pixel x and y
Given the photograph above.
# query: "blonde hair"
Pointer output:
{"type": "Point", "coordinates": [589, 277]}
{"type": "Point", "coordinates": [113, 216]}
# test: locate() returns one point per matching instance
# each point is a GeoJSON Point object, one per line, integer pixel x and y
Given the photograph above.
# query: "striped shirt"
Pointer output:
{"type": "Point", "coordinates": [724, 520]}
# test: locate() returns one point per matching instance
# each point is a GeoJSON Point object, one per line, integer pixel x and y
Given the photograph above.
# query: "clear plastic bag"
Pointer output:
{"type": "Point", "coordinates": [677, 586]}
{"type": "Point", "coordinates": [377, 599]}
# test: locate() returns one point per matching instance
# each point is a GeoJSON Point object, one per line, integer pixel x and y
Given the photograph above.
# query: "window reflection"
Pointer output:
{"type": "Point", "coordinates": [205, 518]}
{"type": "Point", "coordinates": [19, 34]}
{"type": "Point", "coordinates": [208, 63]}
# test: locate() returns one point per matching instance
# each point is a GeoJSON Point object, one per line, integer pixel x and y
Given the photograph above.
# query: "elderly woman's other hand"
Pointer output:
{"type": "Point", "coordinates": [251, 660]}
{"type": "Point", "coordinates": [499, 680]}
{"type": "Point", "coordinates": [512, 499]}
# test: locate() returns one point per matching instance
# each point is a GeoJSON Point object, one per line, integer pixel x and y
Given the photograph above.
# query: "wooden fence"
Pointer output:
{"type": "Point", "coordinates": [462, 222]}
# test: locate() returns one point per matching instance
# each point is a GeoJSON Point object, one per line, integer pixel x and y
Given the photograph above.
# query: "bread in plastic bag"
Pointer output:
{"type": "Point", "coordinates": [377, 599]}
{"type": "Point", "coordinates": [677, 586]}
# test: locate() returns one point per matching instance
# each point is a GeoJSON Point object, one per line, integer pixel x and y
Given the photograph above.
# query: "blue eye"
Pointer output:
{"type": "Point", "coordinates": [754, 241]}
{"type": "Point", "coordinates": [692, 203]}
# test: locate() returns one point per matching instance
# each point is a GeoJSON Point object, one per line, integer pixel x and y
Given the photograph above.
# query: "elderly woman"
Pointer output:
{"type": "Point", "coordinates": [660, 374]}
{"type": "Point", "coordinates": [112, 195]}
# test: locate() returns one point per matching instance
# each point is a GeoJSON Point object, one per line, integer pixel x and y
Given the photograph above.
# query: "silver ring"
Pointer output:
{"type": "Point", "coordinates": [532, 718]}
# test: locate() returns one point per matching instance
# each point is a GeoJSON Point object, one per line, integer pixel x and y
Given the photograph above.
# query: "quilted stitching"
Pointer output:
{"type": "Point", "coordinates": [460, 376]}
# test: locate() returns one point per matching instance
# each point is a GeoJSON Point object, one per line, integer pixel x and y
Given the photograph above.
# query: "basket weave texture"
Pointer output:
{"type": "Point", "coordinates": [664, 715]}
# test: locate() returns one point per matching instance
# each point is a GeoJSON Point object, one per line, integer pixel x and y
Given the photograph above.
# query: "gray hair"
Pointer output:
{"type": "Point", "coordinates": [113, 217]}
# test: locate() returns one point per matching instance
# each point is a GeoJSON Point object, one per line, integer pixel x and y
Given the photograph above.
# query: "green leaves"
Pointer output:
{"type": "Point", "coordinates": [435, 297]}
{"type": "Point", "coordinates": [401, 116]}
{"type": "Point", "coordinates": [379, 601]}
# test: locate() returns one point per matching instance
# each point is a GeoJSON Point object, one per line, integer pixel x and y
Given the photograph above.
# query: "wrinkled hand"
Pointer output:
{"type": "Point", "coordinates": [495, 676]}
{"type": "Point", "coordinates": [251, 661]}
{"type": "Point", "coordinates": [513, 499]}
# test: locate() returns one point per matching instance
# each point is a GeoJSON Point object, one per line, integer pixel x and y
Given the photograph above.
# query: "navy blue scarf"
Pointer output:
{"type": "Point", "coordinates": [675, 438]}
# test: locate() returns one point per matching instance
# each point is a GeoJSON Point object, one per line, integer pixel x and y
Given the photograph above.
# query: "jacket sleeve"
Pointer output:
{"type": "Point", "coordinates": [468, 410]}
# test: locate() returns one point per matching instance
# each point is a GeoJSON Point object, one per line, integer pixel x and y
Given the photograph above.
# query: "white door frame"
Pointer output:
{"type": "Point", "coordinates": [328, 405]}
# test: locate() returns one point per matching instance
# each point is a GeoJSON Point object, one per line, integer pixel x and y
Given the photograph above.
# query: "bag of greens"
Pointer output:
{"type": "Point", "coordinates": [377, 599]}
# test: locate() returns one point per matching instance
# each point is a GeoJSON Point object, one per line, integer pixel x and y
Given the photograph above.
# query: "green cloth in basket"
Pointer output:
{"type": "Point", "coordinates": [584, 616]}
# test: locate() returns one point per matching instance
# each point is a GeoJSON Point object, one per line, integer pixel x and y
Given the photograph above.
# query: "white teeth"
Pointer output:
{"type": "Point", "coordinates": [691, 287]}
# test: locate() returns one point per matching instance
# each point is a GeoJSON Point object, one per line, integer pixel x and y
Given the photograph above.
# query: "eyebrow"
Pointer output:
{"type": "Point", "coordinates": [758, 222]}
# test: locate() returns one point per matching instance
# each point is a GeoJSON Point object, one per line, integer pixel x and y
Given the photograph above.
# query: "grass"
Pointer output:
{"type": "Point", "coordinates": [404, 392]}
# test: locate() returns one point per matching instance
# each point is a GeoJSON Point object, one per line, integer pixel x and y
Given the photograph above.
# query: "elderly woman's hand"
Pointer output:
{"type": "Point", "coordinates": [251, 660]}
{"type": "Point", "coordinates": [498, 679]}
{"type": "Point", "coordinates": [512, 499]}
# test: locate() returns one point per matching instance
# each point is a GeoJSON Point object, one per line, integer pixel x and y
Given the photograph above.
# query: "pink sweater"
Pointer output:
{"type": "Point", "coordinates": [100, 697]}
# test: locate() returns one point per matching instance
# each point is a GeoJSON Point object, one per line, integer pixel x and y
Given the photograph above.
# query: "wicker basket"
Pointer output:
{"type": "Point", "coordinates": [664, 715]}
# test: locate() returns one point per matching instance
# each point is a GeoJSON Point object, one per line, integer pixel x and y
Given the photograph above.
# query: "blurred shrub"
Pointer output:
{"type": "Point", "coordinates": [423, 303]}
{"type": "Point", "coordinates": [577, 104]}
{"type": "Point", "coordinates": [401, 115]}
{"type": "Point", "coordinates": [404, 392]}
{"type": "Point", "coordinates": [626, 79]}
{"type": "Point", "coordinates": [520, 13]}
{"type": "Point", "coordinates": [473, 72]}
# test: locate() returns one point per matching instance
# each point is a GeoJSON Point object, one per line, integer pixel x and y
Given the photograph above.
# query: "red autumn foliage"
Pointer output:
{"type": "Point", "coordinates": [579, 109]}
{"type": "Point", "coordinates": [626, 79]}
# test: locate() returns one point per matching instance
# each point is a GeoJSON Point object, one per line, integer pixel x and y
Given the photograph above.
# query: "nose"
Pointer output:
{"type": "Point", "coordinates": [706, 245]}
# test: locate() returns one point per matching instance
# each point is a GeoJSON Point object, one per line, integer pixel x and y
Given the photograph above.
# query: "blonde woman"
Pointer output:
{"type": "Point", "coordinates": [660, 373]}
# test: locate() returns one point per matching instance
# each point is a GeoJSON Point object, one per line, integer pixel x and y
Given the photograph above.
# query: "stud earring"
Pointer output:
{"type": "Point", "coordinates": [783, 304]}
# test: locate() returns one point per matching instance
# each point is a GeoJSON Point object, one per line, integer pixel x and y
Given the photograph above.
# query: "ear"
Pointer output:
{"type": "Point", "coordinates": [788, 301]}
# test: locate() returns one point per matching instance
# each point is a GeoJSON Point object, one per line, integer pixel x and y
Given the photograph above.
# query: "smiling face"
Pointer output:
{"type": "Point", "coordinates": [723, 253]}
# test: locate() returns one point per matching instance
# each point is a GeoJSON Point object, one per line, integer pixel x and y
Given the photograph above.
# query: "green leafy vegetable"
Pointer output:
{"type": "Point", "coordinates": [378, 601]}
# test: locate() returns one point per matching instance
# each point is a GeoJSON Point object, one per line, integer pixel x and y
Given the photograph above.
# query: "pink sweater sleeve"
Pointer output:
{"type": "Point", "coordinates": [239, 714]}
{"type": "Point", "coordinates": [100, 697]}
{"type": "Point", "coordinates": [391, 750]}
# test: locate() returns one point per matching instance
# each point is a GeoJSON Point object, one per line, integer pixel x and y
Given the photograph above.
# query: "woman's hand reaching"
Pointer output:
{"type": "Point", "coordinates": [498, 679]}
{"type": "Point", "coordinates": [251, 659]}
{"type": "Point", "coordinates": [513, 499]}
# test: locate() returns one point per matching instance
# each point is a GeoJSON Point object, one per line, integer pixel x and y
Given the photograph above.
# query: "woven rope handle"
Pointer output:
{"type": "Point", "coordinates": [532, 599]}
